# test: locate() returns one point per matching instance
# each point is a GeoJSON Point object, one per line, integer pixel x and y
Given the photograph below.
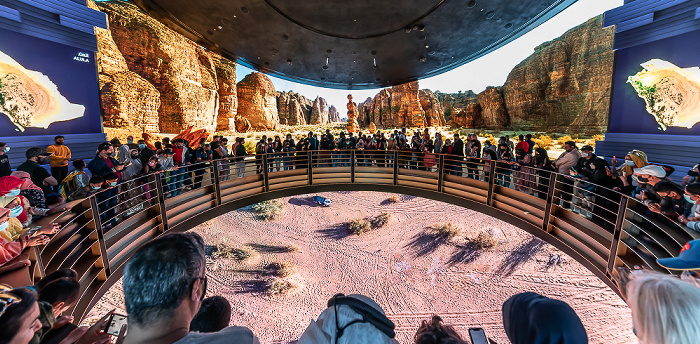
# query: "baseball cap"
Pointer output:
{"type": "Point", "coordinates": [36, 151]}
{"type": "Point", "coordinates": [587, 148]}
{"type": "Point", "coordinates": [653, 170]}
{"type": "Point", "coordinates": [688, 258]}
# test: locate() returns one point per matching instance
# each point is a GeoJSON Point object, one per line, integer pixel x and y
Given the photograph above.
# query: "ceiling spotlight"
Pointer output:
{"type": "Point", "coordinates": [414, 27]}
{"type": "Point", "coordinates": [275, 52]}
{"type": "Point", "coordinates": [325, 67]}
{"type": "Point", "coordinates": [244, 9]}
{"type": "Point", "coordinates": [289, 61]}
{"type": "Point", "coordinates": [285, 38]}
{"type": "Point", "coordinates": [210, 32]}
{"type": "Point", "coordinates": [471, 3]}
{"type": "Point", "coordinates": [431, 52]}
{"type": "Point", "coordinates": [408, 30]}
{"type": "Point", "coordinates": [421, 27]}
{"type": "Point", "coordinates": [373, 52]}
{"type": "Point", "coordinates": [508, 26]}
{"type": "Point", "coordinates": [328, 51]}
{"type": "Point", "coordinates": [267, 63]}
{"type": "Point", "coordinates": [490, 15]}
{"type": "Point", "coordinates": [427, 46]}
{"type": "Point", "coordinates": [219, 27]}
{"type": "Point", "coordinates": [422, 59]}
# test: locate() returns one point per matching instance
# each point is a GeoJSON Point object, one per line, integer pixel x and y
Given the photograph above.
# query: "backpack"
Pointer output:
{"type": "Point", "coordinates": [68, 186]}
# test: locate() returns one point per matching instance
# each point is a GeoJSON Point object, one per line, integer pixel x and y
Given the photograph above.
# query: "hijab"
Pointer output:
{"type": "Point", "coordinates": [530, 318]}
{"type": "Point", "coordinates": [9, 183]}
{"type": "Point", "coordinates": [28, 184]}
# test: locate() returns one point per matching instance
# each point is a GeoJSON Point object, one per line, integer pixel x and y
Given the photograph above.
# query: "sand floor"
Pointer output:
{"type": "Point", "coordinates": [406, 269]}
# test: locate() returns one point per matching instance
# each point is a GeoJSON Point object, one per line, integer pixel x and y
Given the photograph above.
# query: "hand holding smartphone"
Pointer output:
{"type": "Point", "coordinates": [115, 323]}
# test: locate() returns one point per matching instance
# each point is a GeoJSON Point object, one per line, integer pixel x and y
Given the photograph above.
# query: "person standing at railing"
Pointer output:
{"type": "Point", "coordinates": [544, 167]}
{"type": "Point", "coordinates": [5, 168]}
{"type": "Point", "coordinates": [240, 153]}
{"type": "Point", "coordinates": [583, 171]}
{"type": "Point", "coordinates": [36, 156]}
{"type": "Point", "coordinates": [563, 164]}
{"type": "Point", "coordinates": [181, 158]}
{"type": "Point", "coordinates": [224, 166]}
{"type": "Point", "coordinates": [474, 159]}
{"type": "Point", "coordinates": [60, 155]}
{"type": "Point", "coordinates": [458, 155]}
{"type": "Point", "coordinates": [260, 150]}
{"type": "Point", "coordinates": [524, 175]}
{"type": "Point", "coordinates": [438, 143]}
{"type": "Point", "coordinates": [692, 195]}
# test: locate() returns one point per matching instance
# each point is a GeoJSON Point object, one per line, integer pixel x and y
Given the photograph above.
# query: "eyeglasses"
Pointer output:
{"type": "Point", "coordinates": [7, 298]}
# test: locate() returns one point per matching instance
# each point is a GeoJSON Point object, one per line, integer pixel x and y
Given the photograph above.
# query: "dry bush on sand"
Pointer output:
{"type": "Point", "coordinates": [543, 141]}
{"type": "Point", "coordinates": [359, 226]}
{"type": "Point", "coordinates": [449, 229]}
{"type": "Point", "coordinates": [268, 210]}
{"type": "Point", "coordinates": [394, 199]}
{"type": "Point", "coordinates": [278, 286]}
{"type": "Point", "coordinates": [380, 220]}
{"type": "Point", "coordinates": [485, 239]}
{"type": "Point", "coordinates": [282, 269]}
{"type": "Point", "coordinates": [240, 254]}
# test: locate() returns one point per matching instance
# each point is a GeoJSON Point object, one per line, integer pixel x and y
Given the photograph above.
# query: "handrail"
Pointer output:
{"type": "Point", "coordinates": [100, 234]}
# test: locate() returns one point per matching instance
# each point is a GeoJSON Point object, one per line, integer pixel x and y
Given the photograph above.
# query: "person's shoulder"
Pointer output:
{"type": "Point", "coordinates": [231, 334]}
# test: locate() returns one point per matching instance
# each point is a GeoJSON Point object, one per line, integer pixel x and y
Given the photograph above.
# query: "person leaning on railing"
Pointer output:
{"type": "Point", "coordinates": [692, 196]}
{"type": "Point", "coordinates": [563, 164]}
{"type": "Point", "coordinates": [14, 238]}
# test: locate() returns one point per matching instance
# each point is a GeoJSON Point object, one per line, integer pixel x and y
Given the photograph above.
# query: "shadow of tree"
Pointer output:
{"type": "Point", "coordinates": [249, 286]}
{"type": "Point", "coordinates": [262, 248]}
{"type": "Point", "coordinates": [465, 253]}
{"type": "Point", "coordinates": [425, 243]}
{"type": "Point", "coordinates": [519, 256]}
{"type": "Point", "coordinates": [337, 231]}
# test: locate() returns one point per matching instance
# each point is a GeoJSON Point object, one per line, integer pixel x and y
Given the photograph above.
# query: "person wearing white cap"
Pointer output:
{"type": "Point", "coordinates": [647, 177]}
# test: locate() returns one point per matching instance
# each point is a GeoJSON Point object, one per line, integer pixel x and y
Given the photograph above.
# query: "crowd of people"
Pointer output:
{"type": "Point", "coordinates": [122, 175]}
{"type": "Point", "coordinates": [165, 288]}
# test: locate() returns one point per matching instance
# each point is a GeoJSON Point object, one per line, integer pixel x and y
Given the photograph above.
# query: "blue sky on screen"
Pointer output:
{"type": "Point", "coordinates": [490, 70]}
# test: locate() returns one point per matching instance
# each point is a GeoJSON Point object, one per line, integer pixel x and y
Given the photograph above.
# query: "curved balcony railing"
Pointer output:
{"type": "Point", "coordinates": [100, 233]}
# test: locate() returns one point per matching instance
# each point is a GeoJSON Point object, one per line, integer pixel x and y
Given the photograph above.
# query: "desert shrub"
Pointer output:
{"type": "Point", "coordinates": [268, 210]}
{"type": "Point", "coordinates": [563, 139]}
{"type": "Point", "coordinates": [278, 286]}
{"type": "Point", "coordinates": [485, 239]}
{"type": "Point", "coordinates": [359, 226]}
{"type": "Point", "coordinates": [394, 199]}
{"type": "Point", "coordinates": [490, 138]}
{"type": "Point", "coordinates": [595, 138]}
{"type": "Point", "coordinates": [380, 220]}
{"type": "Point", "coordinates": [543, 141]}
{"type": "Point", "coordinates": [282, 269]}
{"type": "Point", "coordinates": [240, 254]}
{"type": "Point", "coordinates": [449, 229]}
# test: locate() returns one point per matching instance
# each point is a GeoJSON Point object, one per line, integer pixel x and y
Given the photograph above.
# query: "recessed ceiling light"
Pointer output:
{"type": "Point", "coordinates": [471, 3]}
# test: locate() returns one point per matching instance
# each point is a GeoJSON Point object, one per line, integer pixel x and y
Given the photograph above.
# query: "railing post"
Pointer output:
{"type": "Point", "coordinates": [217, 186]}
{"type": "Point", "coordinates": [550, 197]}
{"type": "Point", "coordinates": [266, 174]}
{"type": "Point", "coordinates": [492, 182]}
{"type": "Point", "coordinates": [621, 212]}
{"type": "Point", "coordinates": [441, 171]}
{"type": "Point", "coordinates": [310, 168]}
{"type": "Point", "coordinates": [100, 234]}
{"type": "Point", "coordinates": [353, 161]}
{"type": "Point", "coordinates": [161, 202]}
{"type": "Point", "coordinates": [396, 167]}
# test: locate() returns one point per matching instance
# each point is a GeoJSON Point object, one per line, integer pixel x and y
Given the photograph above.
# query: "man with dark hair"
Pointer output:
{"type": "Point", "coordinates": [530, 143]}
{"type": "Point", "coordinates": [5, 169]}
{"type": "Point", "coordinates": [40, 176]}
{"type": "Point", "coordinates": [164, 285]}
{"type": "Point", "coordinates": [60, 155]}
{"type": "Point", "coordinates": [20, 320]}
{"type": "Point", "coordinates": [563, 165]}
{"type": "Point", "coordinates": [458, 152]}
{"type": "Point", "coordinates": [145, 153]}
{"type": "Point", "coordinates": [673, 194]}
{"type": "Point", "coordinates": [56, 297]}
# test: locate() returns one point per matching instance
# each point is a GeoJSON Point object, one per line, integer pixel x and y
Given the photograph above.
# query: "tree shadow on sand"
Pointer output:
{"type": "Point", "coordinates": [249, 286]}
{"type": "Point", "coordinates": [270, 248]}
{"type": "Point", "coordinates": [337, 231]}
{"type": "Point", "coordinates": [425, 243]}
{"type": "Point", "coordinates": [519, 256]}
{"type": "Point", "coordinates": [466, 253]}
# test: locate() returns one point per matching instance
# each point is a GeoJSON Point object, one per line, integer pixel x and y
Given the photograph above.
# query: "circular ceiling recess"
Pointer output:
{"type": "Point", "coordinates": [353, 44]}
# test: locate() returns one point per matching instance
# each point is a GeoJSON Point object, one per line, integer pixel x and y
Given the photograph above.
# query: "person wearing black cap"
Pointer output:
{"type": "Point", "coordinates": [5, 169]}
{"type": "Point", "coordinates": [584, 170]}
{"type": "Point", "coordinates": [37, 156]}
{"type": "Point", "coordinates": [530, 318]}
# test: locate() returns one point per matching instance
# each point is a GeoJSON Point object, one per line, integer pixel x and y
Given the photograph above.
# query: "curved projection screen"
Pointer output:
{"type": "Point", "coordinates": [656, 87]}
{"type": "Point", "coordinates": [46, 88]}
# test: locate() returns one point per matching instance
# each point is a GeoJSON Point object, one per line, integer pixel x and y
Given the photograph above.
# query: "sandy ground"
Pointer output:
{"type": "Point", "coordinates": [402, 266]}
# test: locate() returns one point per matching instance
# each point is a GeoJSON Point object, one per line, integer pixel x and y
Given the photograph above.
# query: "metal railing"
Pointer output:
{"type": "Point", "coordinates": [604, 230]}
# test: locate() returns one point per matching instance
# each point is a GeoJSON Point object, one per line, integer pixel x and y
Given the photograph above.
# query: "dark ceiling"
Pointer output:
{"type": "Point", "coordinates": [353, 44]}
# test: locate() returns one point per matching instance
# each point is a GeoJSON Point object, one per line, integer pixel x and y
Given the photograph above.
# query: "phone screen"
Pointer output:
{"type": "Point", "coordinates": [115, 324]}
{"type": "Point", "coordinates": [478, 336]}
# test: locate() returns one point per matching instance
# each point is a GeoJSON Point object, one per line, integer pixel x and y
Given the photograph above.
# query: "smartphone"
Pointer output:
{"type": "Point", "coordinates": [115, 323]}
{"type": "Point", "coordinates": [478, 336]}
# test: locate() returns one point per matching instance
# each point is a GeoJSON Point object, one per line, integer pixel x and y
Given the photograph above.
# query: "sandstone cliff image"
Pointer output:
{"type": "Point", "coordinates": [30, 99]}
{"type": "Point", "coordinates": [156, 81]}
{"type": "Point", "coordinates": [671, 93]}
